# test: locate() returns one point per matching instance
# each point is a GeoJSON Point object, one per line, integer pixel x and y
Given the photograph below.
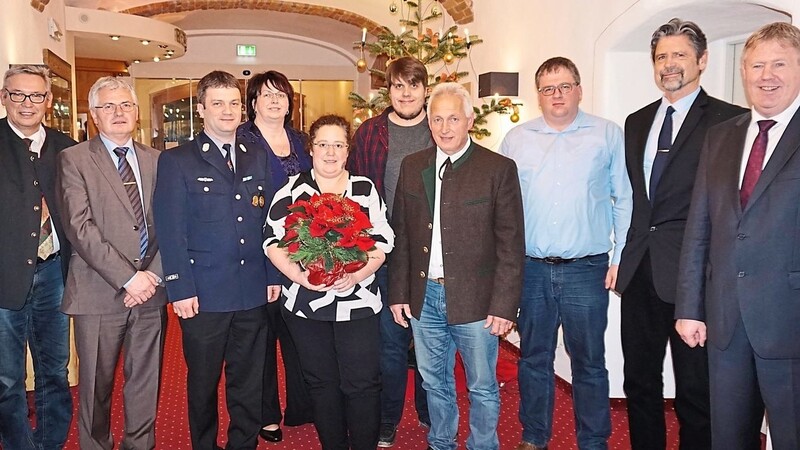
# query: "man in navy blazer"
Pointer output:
{"type": "Point", "coordinates": [739, 279]}
{"type": "Point", "coordinates": [211, 202]}
{"type": "Point", "coordinates": [648, 270]}
{"type": "Point", "coordinates": [32, 271]}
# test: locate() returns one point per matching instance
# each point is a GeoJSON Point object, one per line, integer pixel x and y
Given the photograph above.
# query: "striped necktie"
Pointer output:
{"type": "Point", "coordinates": [129, 181]}
{"type": "Point", "coordinates": [46, 245]}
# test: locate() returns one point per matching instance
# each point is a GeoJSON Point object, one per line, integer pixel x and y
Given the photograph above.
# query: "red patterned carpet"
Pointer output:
{"type": "Point", "coordinates": [173, 431]}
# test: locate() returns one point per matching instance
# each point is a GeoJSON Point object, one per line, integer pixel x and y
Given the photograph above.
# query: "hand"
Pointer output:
{"type": "Point", "coordinates": [345, 283]}
{"type": "Point", "coordinates": [400, 312]}
{"type": "Point", "coordinates": [693, 332]}
{"type": "Point", "coordinates": [141, 287]}
{"type": "Point", "coordinates": [186, 308]}
{"type": "Point", "coordinates": [156, 279]}
{"type": "Point", "coordinates": [303, 281]}
{"type": "Point", "coordinates": [498, 325]}
{"type": "Point", "coordinates": [611, 278]}
{"type": "Point", "coordinates": [273, 292]}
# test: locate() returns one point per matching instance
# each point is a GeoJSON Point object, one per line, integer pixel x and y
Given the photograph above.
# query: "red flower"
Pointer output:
{"type": "Point", "coordinates": [318, 227]}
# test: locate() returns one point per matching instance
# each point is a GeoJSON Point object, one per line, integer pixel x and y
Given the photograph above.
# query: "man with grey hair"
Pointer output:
{"type": "Point", "coordinates": [105, 191]}
{"type": "Point", "coordinates": [34, 254]}
{"type": "Point", "coordinates": [662, 149]}
{"type": "Point", "coordinates": [456, 270]}
{"type": "Point", "coordinates": [738, 284]}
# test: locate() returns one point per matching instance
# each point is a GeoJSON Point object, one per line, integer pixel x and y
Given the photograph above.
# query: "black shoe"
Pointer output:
{"type": "Point", "coordinates": [387, 435]}
{"type": "Point", "coordinates": [271, 435]}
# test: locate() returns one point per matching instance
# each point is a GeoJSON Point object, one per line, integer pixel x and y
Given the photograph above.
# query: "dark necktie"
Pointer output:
{"type": "Point", "coordinates": [662, 152]}
{"type": "Point", "coordinates": [129, 181]}
{"type": "Point", "coordinates": [755, 162]}
{"type": "Point", "coordinates": [46, 245]}
{"type": "Point", "coordinates": [228, 161]}
{"type": "Point", "coordinates": [446, 165]}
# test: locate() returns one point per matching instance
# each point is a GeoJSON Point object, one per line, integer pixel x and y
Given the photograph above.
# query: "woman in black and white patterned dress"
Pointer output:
{"type": "Point", "coordinates": [336, 328]}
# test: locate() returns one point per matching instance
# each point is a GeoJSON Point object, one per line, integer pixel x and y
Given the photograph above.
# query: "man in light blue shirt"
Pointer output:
{"type": "Point", "coordinates": [575, 193]}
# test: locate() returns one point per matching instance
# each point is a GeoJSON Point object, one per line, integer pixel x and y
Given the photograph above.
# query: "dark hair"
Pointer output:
{"type": "Point", "coordinates": [215, 79]}
{"type": "Point", "coordinates": [262, 80]}
{"type": "Point", "coordinates": [554, 64]}
{"type": "Point", "coordinates": [327, 119]}
{"type": "Point", "coordinates": [408, 69]}
{"type": "Point", "coordinates": [678, 27]}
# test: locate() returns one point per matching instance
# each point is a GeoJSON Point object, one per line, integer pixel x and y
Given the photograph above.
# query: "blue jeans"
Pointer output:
{"type": "Point", "coordinates": [395, 341]}
{"type": "Point", "coordinates": [436, 344]}
{"type": "Point", "coordinates": [42, 325]}
{"type": "Point", "coordinates": [571, 295]}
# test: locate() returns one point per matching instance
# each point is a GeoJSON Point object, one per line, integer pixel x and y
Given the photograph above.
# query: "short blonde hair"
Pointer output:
{"type": "Point", "coordinates": [784, 33]}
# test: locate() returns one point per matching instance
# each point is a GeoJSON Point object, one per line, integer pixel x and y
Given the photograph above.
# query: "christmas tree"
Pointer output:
{"type": "Point", "coordinates": [441, 51]}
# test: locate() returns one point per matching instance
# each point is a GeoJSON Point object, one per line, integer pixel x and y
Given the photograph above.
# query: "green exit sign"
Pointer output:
{"type": "Point", "coordinates": [245, 50]}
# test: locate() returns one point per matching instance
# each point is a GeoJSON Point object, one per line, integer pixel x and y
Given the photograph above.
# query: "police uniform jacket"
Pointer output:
{"type": "Point", "coordinates": [210, 223]}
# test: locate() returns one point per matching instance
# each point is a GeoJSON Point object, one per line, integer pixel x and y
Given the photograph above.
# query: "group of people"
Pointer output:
{"type": "Point", "coordinates": [467, 243]}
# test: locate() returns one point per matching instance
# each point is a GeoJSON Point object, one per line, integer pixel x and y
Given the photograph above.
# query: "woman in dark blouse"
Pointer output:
{"type": "Point", "coordinates": [270, 99]}
{"type": "Point", "coordinates": [336, 328]}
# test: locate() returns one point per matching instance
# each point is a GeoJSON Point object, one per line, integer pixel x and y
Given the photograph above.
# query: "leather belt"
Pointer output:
{"type": "Point", "coordinates": [554, 260]}
{"type": "Point", "coordinates": [439, 280]}
{"type": "Point", "coordinates": [51, 256]}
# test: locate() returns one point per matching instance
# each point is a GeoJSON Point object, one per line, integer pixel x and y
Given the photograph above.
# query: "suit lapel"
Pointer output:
{"type": "Point", "coordinates": [640, 144]}
{"type": "Point", "coordinates": [787, 146]}
{"type": "Point", "coordinates": [429, 180]}
{"type": "Point", "coordinates": [100, 156]}
{"type": "Point", "coordinates": [147, 166]}
{"type": "Point", "coordinates": [728, 163]}
{"type": "Point", "coordinates": [212, 155]}
{"type": "Point", "coordinates": [691, 121]}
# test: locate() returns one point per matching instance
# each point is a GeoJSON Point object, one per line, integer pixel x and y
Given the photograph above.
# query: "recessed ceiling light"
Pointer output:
{"type": "Point", "coordinates": [156, 59]}
{"type": "Point", "coordinates": [168, 56]}
{"type": "Point", "coordinates": [145, 42]}
{"type": "Point", "coordinates": [114, 37]}
{"type": "Point", "coordinates": [136, 61]}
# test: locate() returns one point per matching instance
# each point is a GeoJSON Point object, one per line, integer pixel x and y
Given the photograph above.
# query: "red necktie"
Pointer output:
{"type": "Point", "coordinates": [755, 162]}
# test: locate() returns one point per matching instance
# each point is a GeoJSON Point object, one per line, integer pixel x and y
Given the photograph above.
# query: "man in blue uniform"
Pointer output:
{"type": "Point", "coordinates": [211, 201]}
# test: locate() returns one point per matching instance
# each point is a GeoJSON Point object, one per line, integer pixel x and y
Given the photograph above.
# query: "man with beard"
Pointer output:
{"type": "Point", "coordinates": [662, 149]}
{"type": "Point", "coordinates": [381, 143]}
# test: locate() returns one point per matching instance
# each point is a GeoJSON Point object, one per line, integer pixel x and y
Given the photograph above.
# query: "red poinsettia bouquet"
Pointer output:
{"type": "Point", "coordinates": [328, 235]}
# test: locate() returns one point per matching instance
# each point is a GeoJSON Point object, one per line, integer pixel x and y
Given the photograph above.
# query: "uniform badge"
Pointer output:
{"type": "Point", "coordinates": [242, 148]}
{"type": "Point", "coordinates": [254, 201]}
{"type": "Point", "coordinates": [261, 201]}
{"type": "Point", "coordinates": [205, 147]}
{"type": "Point", "coordinates": [171, 277]}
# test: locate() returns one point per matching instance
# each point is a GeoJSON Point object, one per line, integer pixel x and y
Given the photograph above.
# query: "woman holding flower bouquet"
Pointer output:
{"type": "Point", "coordinates": [328, 233]}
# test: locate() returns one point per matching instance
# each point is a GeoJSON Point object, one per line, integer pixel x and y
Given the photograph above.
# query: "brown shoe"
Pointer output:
{"type": "Point", "coordinates": [528, 446]}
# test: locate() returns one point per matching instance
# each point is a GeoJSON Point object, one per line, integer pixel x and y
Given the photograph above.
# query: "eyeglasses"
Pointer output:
{"type": "Point", "coordinates": [564, 88]}
{"type": "Point", "coordinates": [333, 145]}
{"type": "Point", "coordinates": [111, 108]}
{"type": "Point", "coordinates": [275, 95]}
{"type": "Point", "coordinates": [19, 97]}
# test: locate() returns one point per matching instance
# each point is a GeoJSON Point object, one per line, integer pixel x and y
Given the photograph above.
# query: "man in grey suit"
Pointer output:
{"type": "Point", "coordinates": [105, 191]}
{"type": "Point", "coordinates": [456, 269]}
{"type": "Point", "coordinates": [739, 278]}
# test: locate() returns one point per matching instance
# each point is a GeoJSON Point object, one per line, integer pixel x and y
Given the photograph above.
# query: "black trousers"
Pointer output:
{"type": "Point", "coordinates": [237, 341]}
{"type": "Point", "coordinates": [341, 364]}
{"type": "Point", "coordinates": [647, 326]}
{"type": "Point", "coordinates": [298, 402]}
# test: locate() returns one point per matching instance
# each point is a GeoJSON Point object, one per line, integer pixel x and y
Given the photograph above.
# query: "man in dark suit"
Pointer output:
{"type": "Point", "coordinates": [739, 283]}
{"type": "Point", "coordinates": [662, 177]}
{"type": "Point", "coordinates": [34, 254]}
{"type": "Point", "coordinates": [457, 261]}
{"type": "Point", "coordinates": [105, 191]}
{"type": "Point", "coordinates": [211, 202]}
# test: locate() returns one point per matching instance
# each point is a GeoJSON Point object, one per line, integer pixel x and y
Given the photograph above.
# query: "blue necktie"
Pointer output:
{"type": "Point", "coordinates": [129, 181]}
{"type": "Point", "coordinates": [662, 152]}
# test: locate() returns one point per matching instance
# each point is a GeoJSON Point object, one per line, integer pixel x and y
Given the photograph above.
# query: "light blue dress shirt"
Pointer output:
{"type": "Point", "coordinates": [575, 187]}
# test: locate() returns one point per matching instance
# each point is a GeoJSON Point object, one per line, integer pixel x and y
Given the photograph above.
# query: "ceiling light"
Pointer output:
{"type": "Point", "coordinates": [168, 56]}
{"type": "Point", "coordinates": [145, 42]}
{"type": "Point", "coordinates": [114, 37]}
{"type": "Point", "coordinates": [156, 59]}
{"type": "Point", "coordinates": [136, 61]}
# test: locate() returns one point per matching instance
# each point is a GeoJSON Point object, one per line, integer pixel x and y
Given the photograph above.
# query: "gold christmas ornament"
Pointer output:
{"type": "Point", "coordinates": [514, 118]}
{"type": "Point", "coordinates": [449, 57]}
{"type": "Point", "coordinates": [361, 65]}
{"type": "Point", "coordinates": [393, 8]}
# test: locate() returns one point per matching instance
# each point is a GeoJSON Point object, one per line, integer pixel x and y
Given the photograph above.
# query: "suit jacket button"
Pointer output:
{"type": "Point", "coordinates": [35, 182]}
{"type": "Point", "coordinates": [241, 241]}
{"type": "Point", "coordinates": [741, 274]}
{"type": "Point", "coordinates": [36, 208]}
{"type": "Point", "coordinates": [424, 249]}
{"type": "Point", "coordinates": [136, 260]}
{"type": "Point", "coordinates": [430, 226]}
{"type": "Point", "coordinates": [422, 274]}
{"type": "Point", "coordinates": [239, 219]}
{"type": "Point", "coordinates": [33, 234]}
{"type": "Point", "coordinates": [241, 262]}
{"type": "Point", "coordinates": [191, 260]}
{"type": "Point", "coordinates": [206, 189]}
{"type": "Point", "coordinates": [741, 236]}
{"type": "Point", "coordinates": [238, 196]}
{"type": "Point", "coordinates": [29, 262]}
{"type": "Point", "coordinates": [136, 228]}
{"type": "Point", "coordinates": [653, 228]}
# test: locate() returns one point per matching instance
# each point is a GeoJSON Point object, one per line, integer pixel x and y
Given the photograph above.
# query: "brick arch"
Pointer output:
{"type": "Point", "coordinates": [459, 10]}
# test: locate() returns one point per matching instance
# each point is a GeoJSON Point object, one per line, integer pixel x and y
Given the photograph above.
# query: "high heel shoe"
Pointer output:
{"type": "Point", "coordinates": [271, 435]}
